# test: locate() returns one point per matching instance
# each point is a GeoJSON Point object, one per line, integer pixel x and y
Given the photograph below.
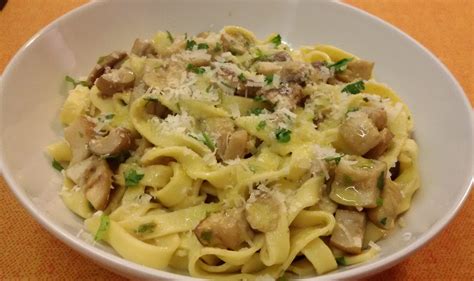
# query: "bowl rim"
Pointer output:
{"type": "Point", "coordinates": [121, 265]}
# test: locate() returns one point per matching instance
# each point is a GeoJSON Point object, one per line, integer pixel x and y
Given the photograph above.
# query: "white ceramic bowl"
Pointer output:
{"type": "Point", "coordinates": [33, 90]}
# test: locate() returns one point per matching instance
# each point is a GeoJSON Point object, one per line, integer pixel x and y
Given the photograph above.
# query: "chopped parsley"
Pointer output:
{"type": "Point", "coordinates": [379, 202]}
{"type": "Point", "coordinates": [242, 77]}
{"type": "Point", "coordinates": [208, 141]}
{"type": "Point", "coordinates": [383, 221]}
{"type": "Point", "coordinates": [260, 55]}
{"type": "Point", "coordinates": [146, 228]}
{"type": "Point", "coordinates": [336, 159]}
{"type": "Point", "coordinates": [276, 40]}
{"type": "Point", "coordinates": [56, 165]}
{"type": "Point", "coordinates": [347, 180]}
{"type": "Point", "coordinates": [202, 46]}
{"type": "Point", "coordinates": [340, 65]}
{"type": "Point", "coordinates": [261, 125]}
{"type": "Point", "coordinates": [354, 88]}
{"type": "Point", "coordinates": [341, 261]}
{"type": "Point", "coordinates": [198, 70]}
{"type": "Point", "coordinates": [259, 98]}
{"type": "Point", "coordinates": [132, 178]}
{"type": "Point", "coordinates": [381, 180]}
{"type": "Point", "coordinates": [218, 47]}
{"type": "Point", "coordinates": [103, 227]}
{"type": "Point", "coordinates": [109, 116]}
{"type": "Point", "coordinates": [283, 135]}
{"type": "Point", "coordinates": [256, 111]}
{"type": "Point", "coordinates": [74, 82]}
{"type": "Point", "coordinates": [269, 79]}
{"type": "Point", "coordinates": [190, 44]}
{"type": "Point", "coordinates": [206, 235]}
{"type": "Point", "coordinates": [170, 36]}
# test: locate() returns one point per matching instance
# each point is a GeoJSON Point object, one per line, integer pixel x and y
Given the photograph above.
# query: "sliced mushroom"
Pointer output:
{"type": "Point", "coordinates": [356, 70]}
{"type": "Point", "coordinates": [118, 140]}
{"type": "Point", "coordinates": [143, 48]}
{"type": "Point", "coordinates": [222, 129]}
{"type": "Point", "coordinates": [115, 81]}
{"type": "Point", "coordinates": [382, 146]}
{"type": "Point", "coordinates": [279, 56]}
{"type": "Point", "coordinates": [377, 114]}
{"type": "Point", "coordinates": [263, 212]}
{"type": "Point", "coordinates": [295, 71]}
{"type": "Point", "coordinates": [110, 60]}
{"type": "Point", "coordinates": [155, 107]}
{"type": "Point", "coordinates": [348, 233]}
{"type": "Point", "coordinates": [237, 145]}
{"type": "Point", "coordinates": [322, 73]}
{"type": "Point", "coordinates": [226, 230]}
{"type": "Point", "coordinates": [267, 68]}
{"type": "Point", "coordinates": [359, 133]}
{"type": "Point", "coordinates": [289, 95]}
{"type": "Point", "coordinates": [385, 214]}
{"type": "Point", "coordinates": [358, 182]}
{"type": "Point", "coordinates": [78, 135]}
{"type": "Point", "coordinates": [94, 177]}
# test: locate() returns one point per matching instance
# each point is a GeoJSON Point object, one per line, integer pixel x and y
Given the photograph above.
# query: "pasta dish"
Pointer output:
{"type": "Point", "coordinates": [229, 157]}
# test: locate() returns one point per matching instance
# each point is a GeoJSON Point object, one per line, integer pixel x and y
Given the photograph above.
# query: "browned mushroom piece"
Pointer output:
{"type": "Point", "coordinates": [382, 146]}
{"type": "Point", "coordinates": [222, 129]}
{"type": "Point", "coordinates": [143, 48]}
{"type": "Point", "coordinates": [263, 212]}
{"type": "Point", "coordinates": [94, 177]}
{"type": "Point", "coordinates": [385, 214]}
{"type": "Point", "coordinates": [110, 60]}
{"type": "Point", "coordinates": [321, 72]}
{"type": "Point", "coordinates": [359, 133]}
{"type": "Point", "coordinates": [267, 68]}
{"type": "Point", "coordinates": [236, 146]}
{"type": "Point", "coordinates": [78, 134]}
{"type": "Point", "coordinates": [378, 115]}
{"type": "Point", "coordinates": [358, 181]}
{"type": "Point", "coordinates": [356, 70]}
{"type": "Point", "coordinates": [348, 233]}
{"type": "Point", "coordinates": [288, 95]}
{"type": "Point", "coordinates": [115, 81]}
{"type": "Point", "coordinates": [118, 140]}
{"type": "Point", "coordinates": [296, 71]}
{"type": "Point", "coordinates": [155, 107]}
{"type": "Point", "coordinates": [227, 230]}
{"type": "Point", "coordinates": [279, 56]}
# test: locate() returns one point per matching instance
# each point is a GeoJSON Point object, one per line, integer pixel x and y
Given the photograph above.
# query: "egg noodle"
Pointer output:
{"type": "Point", "coordinates": [229, 157]}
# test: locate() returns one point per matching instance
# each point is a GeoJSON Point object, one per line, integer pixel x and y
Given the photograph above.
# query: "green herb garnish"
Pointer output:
{"type": "Point", "coordinates": [341, 261]}
{"type": "Point", "coordinates": [56, 165]}
{"type": "Point", "coordinates": [103, 227]}
{"type": "Point", "coordinates": [379, 202]}
{"type": "Point", "coordinates": [190, 44]}
{"type": "Point", "coordinates": [283, 135]}
{"type": "Point", "coordinates": [354, 88]}
{"type": "Point", "coordinates": [381, 180]}
{"type": "Point", "coordinates": [206, 235]}
{"type": "Point", "coordinates": [218, 47]}
{"type": "Point", "coordinates": [340, 65]}
{"type": "Point", "coordinates": [336, 159]}
{"type": "Point", "coordinates": [132, 178]}
{"type": "Point", "coordinates": [202, 46]}
{"type": "Point", "coordinates": [269, 79]}
{"type": "Point", "coordinates": [383, 221]}
{"type": "Point", "coordinates": [276, 40]}
{"type": "Point", "coordinates": [195, 69]}
{"type": "Point", "coordinates": [74, 82]}
{"type": "Point", "coordinates": [208, 141]}
{"type": "Point", "coordinates": [261, 125]}
{"type": "Point", "coordinates": [146, 228]}
{"type": "Point", "coordinates": [170, 36]}
{"type": "Point", "coordinates": [259, 98]}
{"type": "Point", "coordinates": [242, 77]}
{"type": "Point", "coordinates": [255, 111]}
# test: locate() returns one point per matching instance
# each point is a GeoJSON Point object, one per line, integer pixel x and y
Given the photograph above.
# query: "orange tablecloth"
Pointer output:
{"type": "Point", "coordinates": [27, 251]}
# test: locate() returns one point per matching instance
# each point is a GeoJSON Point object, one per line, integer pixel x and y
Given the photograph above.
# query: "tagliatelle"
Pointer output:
{"type": "Point", "coordinates": [233, 158]}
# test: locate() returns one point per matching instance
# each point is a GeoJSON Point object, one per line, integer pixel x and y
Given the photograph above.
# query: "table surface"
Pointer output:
{"type": "Point", "coordinates": [446, 27]}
